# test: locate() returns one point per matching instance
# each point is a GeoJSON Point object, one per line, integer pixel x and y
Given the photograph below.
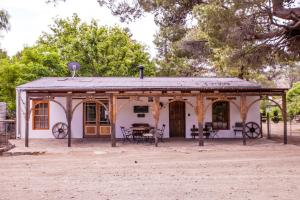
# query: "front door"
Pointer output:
{"type": "Point", "coordinates": [96, 121]}
{"type": "Point", "coordinates": [177, 119]}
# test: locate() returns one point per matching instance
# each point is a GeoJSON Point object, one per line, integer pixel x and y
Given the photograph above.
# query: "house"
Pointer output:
{"type": "Point", "coordinates": [99, 106]}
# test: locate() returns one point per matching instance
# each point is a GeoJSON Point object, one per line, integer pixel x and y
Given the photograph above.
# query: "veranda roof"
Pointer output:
{"type": "Point", "coordinates": [132, 83]}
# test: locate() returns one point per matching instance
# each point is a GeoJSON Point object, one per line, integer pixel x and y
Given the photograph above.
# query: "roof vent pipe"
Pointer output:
{"type": "Point", "coordinates": [141, 68]}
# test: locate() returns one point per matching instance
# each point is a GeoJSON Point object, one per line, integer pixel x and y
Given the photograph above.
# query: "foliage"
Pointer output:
{"type": "Point", "coordinates": [240, 38]}
{"type": "Point", "coordinates": [4, 20]}
{"type": "Point", "coordinates": [101, 51]}
{"type": "Point", "coordinates": [293, 100]}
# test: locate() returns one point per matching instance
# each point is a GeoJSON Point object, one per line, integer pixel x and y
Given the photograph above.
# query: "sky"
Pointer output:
{"type": "Point", "coordinates": [30, 18]}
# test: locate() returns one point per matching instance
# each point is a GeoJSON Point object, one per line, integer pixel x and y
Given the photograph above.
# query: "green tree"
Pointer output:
{"type": "Point", "coordinates": [293, 100]}
{"type": "Point", "coordinates": [240, 38]}
{"type": "Point", "coordinates": [101, 51]}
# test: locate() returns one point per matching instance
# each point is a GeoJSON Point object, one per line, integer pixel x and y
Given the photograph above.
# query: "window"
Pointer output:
{"type": "Point", "coordinates": [220, 115]}
{"type": "Point", "coordinates": [96, 112]}
{"type": "Point", "coordinates": [40, 115]}
{"type": "Point", "coordinates": [90, 115]}
{"type": "Point", "coordinates": [103, 115]}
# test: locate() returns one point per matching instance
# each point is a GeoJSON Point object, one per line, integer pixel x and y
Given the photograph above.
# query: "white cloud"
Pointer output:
{"type": "Point", "coordinates": [31, 17]}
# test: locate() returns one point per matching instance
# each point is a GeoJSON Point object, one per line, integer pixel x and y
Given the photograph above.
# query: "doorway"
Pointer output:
{"type": "Point", "coordinates": [96, 120]}
{"type": "Point", "coordinates": [177, 119]}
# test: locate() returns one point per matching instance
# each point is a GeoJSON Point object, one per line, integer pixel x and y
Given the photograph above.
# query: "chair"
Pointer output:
{"type": "Point", "coordinates": [238, 127]}
{"type": "Point", "coordinates": [127, 134]}
{"type": "Point", "coordinates": [194, 131]}
{"type": "Point", "coordinates": [160, 132]}
{"type": "Point", "coordinates": [209, 131]}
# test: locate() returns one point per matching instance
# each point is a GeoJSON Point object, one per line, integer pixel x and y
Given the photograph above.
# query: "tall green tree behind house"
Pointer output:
{"type": "Point", "coordinates": [101, 51]}
{"type": "Point", "coordinates": [239, 38]}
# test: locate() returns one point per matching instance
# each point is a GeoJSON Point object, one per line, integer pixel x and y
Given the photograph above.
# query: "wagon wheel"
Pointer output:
{"type": "Point", "coordinates": [252, 130]}
{"type": "Point", "coordinates": [60, 130]}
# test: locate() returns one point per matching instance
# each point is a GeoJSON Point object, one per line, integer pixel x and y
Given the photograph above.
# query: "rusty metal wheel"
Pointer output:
{"type": "Point", "coordinates": [252, 130]}
{"type": "Point", "coordinates": [60, 130]}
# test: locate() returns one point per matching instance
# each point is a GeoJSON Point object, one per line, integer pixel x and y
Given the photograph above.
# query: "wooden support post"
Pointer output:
{"type": "Point", "coordinates": [268, 126]}
{"type": "Point", "coordinates": [243, 112]}
{"type": "Point", "coordinates": [27, 117]}
{"type": "Point", "coordinates": [113, 116]}
{"type": "Point", "coordinates": [155, 113]}
{"type": "Point", "coordinates": [261, 126]}
{"type": "Point", "coordinates": [200, 118]}
{"type": "Point", "coordinates": [19, 117]}
{"type": "Point", "coordinates": [69, 118]}
{"type": "Point", "coordinates": [284, 117]}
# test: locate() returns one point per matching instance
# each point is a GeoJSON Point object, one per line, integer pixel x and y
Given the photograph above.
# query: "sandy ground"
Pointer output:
{"type": "Point", "coordinates": [91, 169]}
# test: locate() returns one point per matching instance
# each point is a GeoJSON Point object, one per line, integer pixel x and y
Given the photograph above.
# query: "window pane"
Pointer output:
{"type": "Point", "coordinates": [41, 116]}
{"type": "Point", "coordinates": [91, 112]}
{"type": "Point", "coordinates": [103, 115]}
{"type": "Point", "coordinates": [220, 115]}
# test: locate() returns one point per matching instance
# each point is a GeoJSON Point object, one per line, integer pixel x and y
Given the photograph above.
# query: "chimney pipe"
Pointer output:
{"type": "Point", "coordinates": [141, 68]}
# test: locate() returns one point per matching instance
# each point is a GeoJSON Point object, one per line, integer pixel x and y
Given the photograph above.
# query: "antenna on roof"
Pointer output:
{"type": "Point", "coordinates": [73, 67]}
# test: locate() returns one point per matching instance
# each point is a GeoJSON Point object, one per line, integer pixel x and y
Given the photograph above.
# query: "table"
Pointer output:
{"type": "Point", "coordinates": [141, 133]}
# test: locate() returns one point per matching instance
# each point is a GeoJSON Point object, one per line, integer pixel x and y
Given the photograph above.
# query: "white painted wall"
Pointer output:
{"type": "Point", "coordinates": [125, 116]}
{"type": "Point", "coordinates": [57, 114]}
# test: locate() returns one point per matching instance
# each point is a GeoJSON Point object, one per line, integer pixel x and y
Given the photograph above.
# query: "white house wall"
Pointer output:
{"type": "Point", "coordinates": [125, 116]}
{"type": "Point", "coordinates": [57, 114]}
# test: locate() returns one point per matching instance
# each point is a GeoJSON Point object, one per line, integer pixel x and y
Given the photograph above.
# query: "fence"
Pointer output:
{"type": "Point", "coordinates": [8, 130]}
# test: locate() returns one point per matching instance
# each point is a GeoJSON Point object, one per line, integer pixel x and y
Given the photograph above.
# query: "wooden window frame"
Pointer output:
{"type": "Point", "coordinates": [228, 114]}
{"type": "Point", "coordinates": [34, 103]}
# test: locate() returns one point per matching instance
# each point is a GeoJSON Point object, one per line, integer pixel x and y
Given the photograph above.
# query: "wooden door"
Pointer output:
{"type": "Point", "coordinates": [177, 119]}
{"type": "Point", "coordinates": [90, 119]}
{"type": "Point", "coordinates": [96, 122]}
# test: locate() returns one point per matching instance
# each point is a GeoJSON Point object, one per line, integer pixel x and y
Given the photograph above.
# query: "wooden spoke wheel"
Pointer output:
{"type": "Point", "coordinates": [60, 130]}
{"type": "Point", "coordinates": [252, 130]}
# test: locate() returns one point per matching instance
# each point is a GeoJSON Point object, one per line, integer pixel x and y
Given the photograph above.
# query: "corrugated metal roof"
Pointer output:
{"type": "Point", "coordinates": [147, 83]}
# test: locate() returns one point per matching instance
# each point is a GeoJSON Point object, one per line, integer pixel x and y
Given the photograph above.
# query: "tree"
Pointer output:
{"type": "Point", "coordinates": [293, 100]}
{"type": "Point", "coordinates": [4, 20]}
{"type": "Point", "coordinates": [101, 51]}
{"type": "Point", "coordinates": [239, 38]}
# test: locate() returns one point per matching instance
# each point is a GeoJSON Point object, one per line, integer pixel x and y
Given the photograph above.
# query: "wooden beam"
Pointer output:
{"type": "Point", "coordinates": [69, 118]}
{"type": "Point", "coordinates": [27, 117]}
{"type": "Point", "coordinates": [268, 126]}
{"type": "Point", "coordinates": [284, 116]}
{"type": "Point", "coordinates": [156, 113]}
{"type": "Point", "coordinates": [113, 117]}
{"type": "Point", "coordinates": [200, 118]}
{"type": "Point", "coordinates": [19, 112]}
{"type": "Point", "coordinates": [153, 93]}
{"type": "Point", "coordinates": [243, 113]}
{"type": "Point", "coordinates": [61, 94]}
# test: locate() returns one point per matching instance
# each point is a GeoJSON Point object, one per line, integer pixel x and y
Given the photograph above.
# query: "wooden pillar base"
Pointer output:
{"type": "Point", "coordinates": [27, 116]}
{"type": "Point", "coordinates": [69, 119]}
{"type": "Point", "coordinates": [113, 117]}
{"type": "Point", "coordinates": [284, 116]}
{"type": "Point", "coordinates": [201, 141]}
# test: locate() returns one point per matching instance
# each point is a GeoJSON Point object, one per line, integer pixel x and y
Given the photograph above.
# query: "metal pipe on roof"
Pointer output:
{"type": "Point", "coordinates": [141, 70]}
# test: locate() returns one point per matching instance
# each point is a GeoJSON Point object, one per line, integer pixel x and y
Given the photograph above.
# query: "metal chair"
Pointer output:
{"type": "Point", "coordinates": [238, 127]}
{"type": "Point", "coordinates": [127, 134]}
{"type": "Point", "coordinates": [160, 132]}
{"type": "Point", "coordinates": [209, 131]}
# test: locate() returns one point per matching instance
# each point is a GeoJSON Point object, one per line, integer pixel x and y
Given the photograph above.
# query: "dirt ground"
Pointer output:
{"type": "Point", "coordinates": [91, 169]}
